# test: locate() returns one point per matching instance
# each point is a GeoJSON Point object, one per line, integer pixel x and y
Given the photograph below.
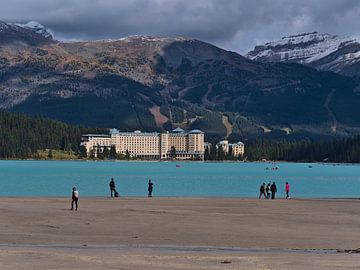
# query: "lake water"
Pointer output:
{"type": "Point", "coordinates": [56, 178]}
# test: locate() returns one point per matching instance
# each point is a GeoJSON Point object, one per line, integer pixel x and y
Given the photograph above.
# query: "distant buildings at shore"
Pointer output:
{"type": "Point", "coordinates": [176, 144]}
{"type": "Point", "coordinates": [235, 149]}
{"type": "Point", "coordinates": [224, 150]}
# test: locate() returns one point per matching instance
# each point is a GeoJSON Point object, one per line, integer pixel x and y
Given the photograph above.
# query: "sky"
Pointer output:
{"type": "Point", "coordinates": [236, 25]}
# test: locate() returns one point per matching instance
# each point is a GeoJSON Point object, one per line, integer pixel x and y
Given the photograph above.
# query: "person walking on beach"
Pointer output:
{"type": "Point", "coordinates": [268, 191]}
{"type": "Point", "coordinates": [273, 190]}
{"type": "Point", "coordinates": [150, 188]}
{"type": "Point", "coordinates": [287, 190]}
{"type": "Point", "coordinates": [112, 187]}
{"type": "Point", "coordinates": [262, 190]}
{"type": "Point", "coordinates": [74, 198]}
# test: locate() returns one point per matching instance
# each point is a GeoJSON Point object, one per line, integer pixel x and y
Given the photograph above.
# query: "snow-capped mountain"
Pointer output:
{"type": "Point", "coordinates": [154, 83]}
{"type": "Point", "coordinates": [23, 35]}
{"type": "Point", "coordinates": [37, 28]}
{"type": "Point", "coordinates": [322, 51]}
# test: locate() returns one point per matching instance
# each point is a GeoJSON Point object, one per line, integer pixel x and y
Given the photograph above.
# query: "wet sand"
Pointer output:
{"type": "Point", "coordinates": [179, 233]}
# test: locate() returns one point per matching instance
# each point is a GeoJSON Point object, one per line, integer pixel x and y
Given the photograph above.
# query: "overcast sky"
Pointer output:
{"type": "Point", "coordinates": [233, 25]}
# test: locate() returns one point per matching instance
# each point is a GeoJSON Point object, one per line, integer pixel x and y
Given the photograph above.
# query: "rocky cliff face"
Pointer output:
{"type": "Point", "coordinates": [153, 83]}
{"type": "Point", "coordinates": [322, 51]}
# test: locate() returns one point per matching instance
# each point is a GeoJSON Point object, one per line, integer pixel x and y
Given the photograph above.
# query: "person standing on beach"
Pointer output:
{"type": "Point", "coordinates": [150, 188]}
{"type": "Point", "coordinates": [262, 190]}
{"type": "Point", "coordinates": [268, 191]}
{"type": "Point", "coordinates": [112, 187]}
{"type": "Point", "coordinates": [273, 190]}
{"type": "Point", "coordinates": [74, 198]}
{"type": "Point", "coordinates": [287, 190]}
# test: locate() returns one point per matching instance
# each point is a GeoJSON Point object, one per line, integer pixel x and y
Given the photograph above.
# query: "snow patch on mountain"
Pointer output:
{"type": "Point", "coordinates": [144, 39]}
{"type": "Point", "coordinates": [37, 28]}
{"type": "Point", "coordinates": [303, 48]}
{"type": "Point", "coordinates": [3, 26]}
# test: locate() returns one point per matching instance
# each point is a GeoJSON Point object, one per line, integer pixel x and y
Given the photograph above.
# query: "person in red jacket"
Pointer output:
{"type": "Point", "coordinates": [287, 190]}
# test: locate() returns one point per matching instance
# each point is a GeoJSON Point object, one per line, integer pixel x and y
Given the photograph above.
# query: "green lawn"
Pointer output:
{"type": "Point", "coordinates": [56, 154]}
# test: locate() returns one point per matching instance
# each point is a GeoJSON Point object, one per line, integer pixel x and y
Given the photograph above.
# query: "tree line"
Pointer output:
{"type": "Point", "coordinates": [103, 153]}
{"type": "Point", "coordinates": [218, 153]}
{"type": "Point", "coordinates": [344, 150]}
{"type": "Point", "coordinates": [22, 136]}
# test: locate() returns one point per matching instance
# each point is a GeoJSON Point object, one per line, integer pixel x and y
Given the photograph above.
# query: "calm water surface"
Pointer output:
{"type": "Point", "coordinates": [56, 178]}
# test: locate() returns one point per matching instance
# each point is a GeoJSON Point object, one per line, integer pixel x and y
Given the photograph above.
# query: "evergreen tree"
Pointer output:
{"type": "Point", "coordinates": [50, 154]}
{"type": "Point", "coordinates": [172, 153]}
{"type": "Point", "coordinates": [92, 154]}
{"type": "Point", "coordinates": [207, 155]}
{"type": "Point", "coordinates": [127, 155]}
{"type": "Point", "coordinates": [106, 153]}
{"type": "Point", "coordinates": [230, 154]}
{"type": "Point", "coordinates": [112, 153]}
{"type": "Point", "coordinates": [213, 152]}
{"type": "Point", "coordinates": [220, 153]}
{"type": "Point", "coordinates": [83, 151]}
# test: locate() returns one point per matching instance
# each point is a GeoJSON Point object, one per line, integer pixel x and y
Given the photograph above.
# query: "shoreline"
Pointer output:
{"type": "Point", "coordinates": [123, 198]}
{"type": "Point", "coordinates": [190, 161]}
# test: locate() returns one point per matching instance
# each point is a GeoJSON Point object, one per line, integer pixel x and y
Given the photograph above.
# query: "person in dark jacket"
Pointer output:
{"type": "Point", "coordinates": [262, 190]}
{"type": "Point", "coordinates": [74, 198]}
{"type": "Point", "coordinates": [150, 188]}
{"type": "Point", "coordinates": [273, 190]}
{"type": "Point", "coordinates": [112, 187]}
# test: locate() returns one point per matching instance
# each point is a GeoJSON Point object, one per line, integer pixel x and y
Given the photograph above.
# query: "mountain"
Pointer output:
{"type": "Point", "coordinates": [37, 28]}
{"type": "Point", "coordinates": [21, 35]}
{"type": "Point", "coordinates": [157, 83]}
{"type": "Point", "coordinates": [322, 51]}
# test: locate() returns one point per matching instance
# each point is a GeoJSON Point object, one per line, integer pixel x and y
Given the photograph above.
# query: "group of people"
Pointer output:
{"type": "Point", "coordinates": [114, 193]}
{"type": "Point", "coordinates": [269, 190]}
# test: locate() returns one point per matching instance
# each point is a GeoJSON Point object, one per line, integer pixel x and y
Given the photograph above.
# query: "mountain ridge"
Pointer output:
{"type": "Point", "coordinates": [323, 51]}
{"type": "Point", "coordinates": [37, 28]}
{"type": "Point", "coordinates": [153, 83]}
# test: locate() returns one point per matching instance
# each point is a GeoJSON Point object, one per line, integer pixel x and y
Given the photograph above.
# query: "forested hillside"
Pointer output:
{"type": "Point", "coordinates": [21, 136]}
{"type": "Point", "coordinates": [347, 150]}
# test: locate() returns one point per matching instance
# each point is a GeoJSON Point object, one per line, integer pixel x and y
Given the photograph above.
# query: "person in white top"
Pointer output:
{"type": "Point", "coordinates": [75, 198]}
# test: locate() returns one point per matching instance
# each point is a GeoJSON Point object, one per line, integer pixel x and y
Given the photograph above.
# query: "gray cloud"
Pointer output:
{"type": "Point", "coordinates": [234, 25]}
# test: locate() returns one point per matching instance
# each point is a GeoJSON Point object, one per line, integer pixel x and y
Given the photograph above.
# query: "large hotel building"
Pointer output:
{"type": "Point", "coordinates": [188, 145]}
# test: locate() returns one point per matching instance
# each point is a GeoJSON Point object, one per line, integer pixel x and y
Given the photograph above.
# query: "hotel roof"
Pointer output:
{"type": "Point", "coordinates": [137, 133]}
{"type": "Point", "coordinates": [114, 131]}
{"type": "Point", "coordinates": [178, 130]}
{"type": "Point", "coordinates": [196, 131]}
{"type": "Point", "coordinates": [96, 135]}
{"type": "Point", "coordinates": [237, 143]}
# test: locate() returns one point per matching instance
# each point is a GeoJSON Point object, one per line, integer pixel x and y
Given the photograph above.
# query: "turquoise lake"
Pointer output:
{"type": "Point", "coordinates": [56, 178]}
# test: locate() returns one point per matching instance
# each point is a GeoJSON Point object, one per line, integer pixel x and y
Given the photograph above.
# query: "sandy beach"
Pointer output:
{"type": "Point", "coordinates": [179, 233]}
